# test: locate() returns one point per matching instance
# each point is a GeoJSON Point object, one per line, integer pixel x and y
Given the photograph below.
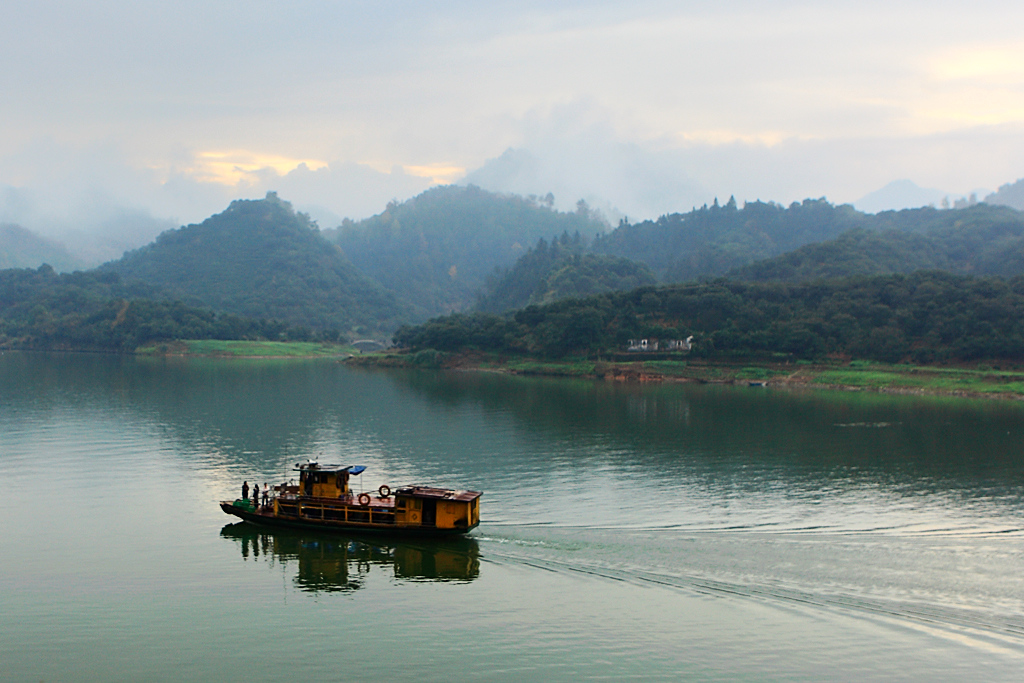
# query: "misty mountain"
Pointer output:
{"type": "Point", "coordinates": [1010, 194]}
{"type": "Point", "coordinates": [117, 230]}
{"type": "Point", "coordinates": [21, 248]}
{"type": "Point", "coordinates": [899, 194]}
{"type": "Point", "coordinates": [261, 259]}
{"type": "Point", "coordinates": [90, 226]}
{"type": "Point", "coordinates": [615, 177]}
{"type": "Point", "coordinates": [978, 240]}
{"type": "Point", "coordinates": [436, 250]}
{"type": "Point", "coordinates": [559, 270]}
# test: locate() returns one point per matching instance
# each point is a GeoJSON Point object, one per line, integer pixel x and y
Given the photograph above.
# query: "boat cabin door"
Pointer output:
{"type": "Point", "coordinates": [429, 513]}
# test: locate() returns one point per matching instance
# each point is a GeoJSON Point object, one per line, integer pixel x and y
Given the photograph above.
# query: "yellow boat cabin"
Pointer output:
{"type": "Point", "coordinates": [324, 499]}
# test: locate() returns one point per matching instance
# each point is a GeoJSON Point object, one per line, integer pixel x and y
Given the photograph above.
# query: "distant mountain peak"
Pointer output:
{"type": "Point", "coordinates": [900, 194]}
{"type": "Point", "coordinates": [22, 248]}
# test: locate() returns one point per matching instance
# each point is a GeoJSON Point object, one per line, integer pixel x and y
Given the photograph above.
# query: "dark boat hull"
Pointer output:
{"type": "Point", "coordinates": [270, 520]}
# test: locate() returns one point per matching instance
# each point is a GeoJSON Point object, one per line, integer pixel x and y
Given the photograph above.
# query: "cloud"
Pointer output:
{"type": "Point", "coordinates": [100, 204]}
{"type": "Point", "coordinates": [343, 189]}
{"type": "Point", "coordinates": [649, 106]}
{"type": "Point", "coordinates": [574, 151]}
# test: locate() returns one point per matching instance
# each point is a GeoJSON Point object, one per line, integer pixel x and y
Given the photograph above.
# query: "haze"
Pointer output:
{"type": "Point", "coordinates": [123, 119]}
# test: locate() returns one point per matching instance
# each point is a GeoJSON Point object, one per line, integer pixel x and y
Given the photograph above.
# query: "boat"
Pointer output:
{"type": "Point", "coordinates": [323, 499]}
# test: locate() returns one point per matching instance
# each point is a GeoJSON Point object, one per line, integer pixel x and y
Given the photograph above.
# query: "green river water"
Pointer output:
{"type": "Point", "coordinates": [656, 532]}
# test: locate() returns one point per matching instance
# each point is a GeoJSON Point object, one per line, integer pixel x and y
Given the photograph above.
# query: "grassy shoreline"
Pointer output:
{"type": "Point", "coordinates": [215, 348]}
{"type": "Point", "coordinates": [977, 381]}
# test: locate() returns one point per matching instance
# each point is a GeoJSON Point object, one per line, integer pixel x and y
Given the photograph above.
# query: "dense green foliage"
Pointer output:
{"type": "Point", "coordinates": [260, 259]}
{"type": "Point", "coordinates": [21, 248]}
{"type": "Point", "coordinates": [924, 317]}
{"type": "Point", "coordinates": [979, 240]}
{"type": "Point", "coordinates": [437, 249]}
{"type": "Point", "coordinates": [857, 252]}
{"type": "Point", "coordinates": [41, 309]}
{"type": "Point", "coordinates": [561, 269]}
{"type": "Point", "coordinates": [710, 241]}
{"type": "Point", "coordinates": [719, 240]}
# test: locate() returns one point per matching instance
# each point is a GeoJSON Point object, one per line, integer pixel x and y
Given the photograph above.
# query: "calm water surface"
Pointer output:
{"type": "Point", "coordinates": [667, 532]}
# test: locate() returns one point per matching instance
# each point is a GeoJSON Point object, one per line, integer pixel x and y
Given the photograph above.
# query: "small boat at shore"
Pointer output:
{"type": "Point", "coordinates": [323, 500]}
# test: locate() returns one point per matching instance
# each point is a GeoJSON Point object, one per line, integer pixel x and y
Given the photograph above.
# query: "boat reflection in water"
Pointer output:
{"type": "Point", "coordinates": [336, 562]}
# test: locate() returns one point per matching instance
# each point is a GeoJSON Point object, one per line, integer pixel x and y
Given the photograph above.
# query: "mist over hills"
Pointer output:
{"type": "Point", "coordinates": [90, 226]}
{"type": "Point", "coordinates": [437, 249]}
{"type": "Point", "coordinates": [21, 248]}
{"type": "Point", "coordinates": [900, 194]}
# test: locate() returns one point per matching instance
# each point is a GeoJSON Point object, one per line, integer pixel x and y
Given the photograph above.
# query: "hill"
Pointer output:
{"type": "Point", "coordinates": [561, 269]}
{"type": "Point", "coordinates": [21, 248]}
{"type": "Point", "coordinates": [261, 259]}
{"type": "Point", "coordinates": [825, 241]}
{"type": "Point", "coordinates": [978, 240]}
{"type": "Point", "coordinates": [437, 249]}
{"type": "Point", "coordinates": [1010, 194]}
{"type": "Point", "coordinates": [710, 241]}
{"type": "Point", "coordinates": [41, 309]}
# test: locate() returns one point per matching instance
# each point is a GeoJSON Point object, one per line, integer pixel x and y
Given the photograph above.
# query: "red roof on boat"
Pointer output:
{"type": "Point", "coordinates": [438, 494]}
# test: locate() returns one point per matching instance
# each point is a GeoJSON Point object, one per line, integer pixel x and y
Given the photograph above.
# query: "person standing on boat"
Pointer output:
{"type": "Point", "coordinates": [256, 496]}
{"type": "Point", "coordinates": [266, 494]}
{"type": "Point", "coordinates": [245, 490]}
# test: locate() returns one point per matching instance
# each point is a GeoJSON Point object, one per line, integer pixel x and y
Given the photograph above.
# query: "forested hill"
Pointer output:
{"type": "Point", "coordinates": [711, 241]}
{"type": "Point", "coordinates": [41, 309]}
{"type": "Point", "coordinates": [924, 317]}
{"type": "Point", "coordinates": [978, 240]}
{"type": "Point", "coordinates": [260, 259]}
{"type": "Point", "coordinates": [436, 250]}
{"type": "Point", "coordinates": [720, 240]}
{"type": "Point", "coordinates": [562, 268]}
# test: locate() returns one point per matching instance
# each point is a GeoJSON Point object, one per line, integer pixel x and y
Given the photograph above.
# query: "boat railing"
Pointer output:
{"type": "Point", "coordinates": [337, 510]}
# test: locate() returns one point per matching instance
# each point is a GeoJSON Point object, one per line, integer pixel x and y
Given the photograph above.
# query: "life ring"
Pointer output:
{"type": "Point", "coordinates": [384, 490]}
{"type": "Point", "coordinates": [364, 498]}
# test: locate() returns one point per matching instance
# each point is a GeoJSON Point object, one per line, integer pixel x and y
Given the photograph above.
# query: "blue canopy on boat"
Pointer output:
{"type": "Point", "coordinates": [356, 469]}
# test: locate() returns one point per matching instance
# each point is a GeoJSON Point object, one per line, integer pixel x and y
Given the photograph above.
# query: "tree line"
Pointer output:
{"type": "Point", "coordinates": [923, 317]}
{"type": "Point", "coordinates": [559, 269]}
{"type": "Point", "coordinates": [41, 309]}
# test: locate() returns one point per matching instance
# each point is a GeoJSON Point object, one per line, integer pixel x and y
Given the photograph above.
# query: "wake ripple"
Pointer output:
{"type": "Point", "coordinates": [1004, 635]}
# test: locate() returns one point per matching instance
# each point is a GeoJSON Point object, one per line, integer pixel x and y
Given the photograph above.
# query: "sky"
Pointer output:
{"type": "Point", "coordinates": [126, 116]}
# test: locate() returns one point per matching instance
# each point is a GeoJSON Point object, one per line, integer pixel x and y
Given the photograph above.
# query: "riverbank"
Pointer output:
{"type": "Point", "coordinates": [967, 381]}
{"type": "Point", "coordinates": [216, 348]}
